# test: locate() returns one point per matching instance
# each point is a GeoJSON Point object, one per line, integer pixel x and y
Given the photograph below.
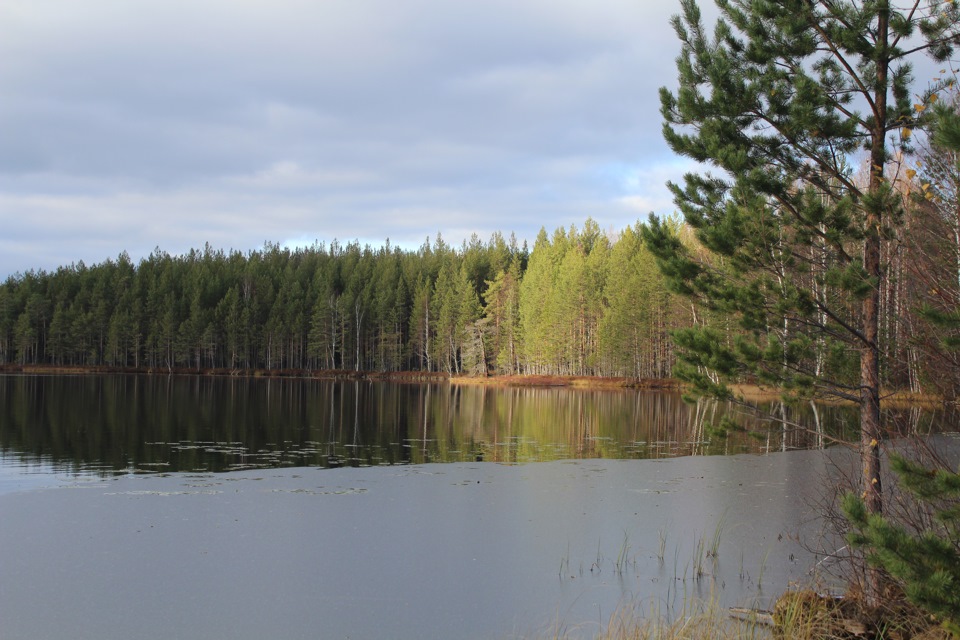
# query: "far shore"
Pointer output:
{"type": "Point", "coordinates": [747, 392]}
{"type": "Point", "coordinates": [592, 382]}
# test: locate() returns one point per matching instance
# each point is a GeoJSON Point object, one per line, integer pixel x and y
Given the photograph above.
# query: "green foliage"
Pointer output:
{"type": "Point", "coordinates": [560, 300]}
{"type": "Point", "coordinates": [948, 320]}
{"type": "Point", "coordinates": [470, 310]}
{"type": "Point", "coordinates": [789, 255]}
{"type": "Point", "coordinates": [946, 137]}
{"type": "Point", "coordinates": [772, 101]}
{"type": "Point", "coordinates": [639, 311]}
{"type": "Point", "coordinates": [926, 564]}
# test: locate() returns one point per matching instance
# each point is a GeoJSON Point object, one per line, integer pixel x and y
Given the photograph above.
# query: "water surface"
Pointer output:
{"type": "Point", "coordinates": [210, 508]}
{"type": "Point", "coordinates": [120, 424]}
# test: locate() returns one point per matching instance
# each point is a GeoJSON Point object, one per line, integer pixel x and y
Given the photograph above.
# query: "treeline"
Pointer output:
{"type": "Point", "coordinates": [582, 302]}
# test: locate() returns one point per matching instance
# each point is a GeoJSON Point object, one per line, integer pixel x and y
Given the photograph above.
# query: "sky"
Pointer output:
{"type": "Point", "coordinates": [130, 125]}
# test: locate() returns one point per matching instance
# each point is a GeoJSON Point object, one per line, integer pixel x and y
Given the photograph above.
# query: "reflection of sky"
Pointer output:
{"type": "Point", "coordinates": [454, 550]}
{"type": "Point", "coordinates": [602, 509]}
{"type": "Point", "coordinates": [19, 473]}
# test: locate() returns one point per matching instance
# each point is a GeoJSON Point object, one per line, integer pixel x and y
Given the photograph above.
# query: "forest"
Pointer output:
{"type": "Point", "coordinates": [581, 301]}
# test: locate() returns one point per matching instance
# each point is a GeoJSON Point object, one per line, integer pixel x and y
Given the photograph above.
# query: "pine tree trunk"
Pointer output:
{"type": "Point", "coordinates": [870, 431]}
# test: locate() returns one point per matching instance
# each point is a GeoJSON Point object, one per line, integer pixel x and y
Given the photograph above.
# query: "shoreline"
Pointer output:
{"type": "Point", "coordinates": [744, 391]}
{"type": "Point", "coordinates": [525, 380]}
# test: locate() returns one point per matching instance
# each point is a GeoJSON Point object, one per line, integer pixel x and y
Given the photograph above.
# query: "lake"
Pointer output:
{"type": "Point", "coordinates": [189, 507]}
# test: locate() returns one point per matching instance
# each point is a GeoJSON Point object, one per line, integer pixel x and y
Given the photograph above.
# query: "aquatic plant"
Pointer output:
{"type": "Point", "coordinates": [763, 566]}
{"type": "Point", "coordinates": [714, 548]}
{"type": "Point", "coordinates": [622, 556]}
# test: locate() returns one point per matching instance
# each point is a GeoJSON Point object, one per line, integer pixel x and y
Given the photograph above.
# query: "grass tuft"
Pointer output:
{"type": "Point", "coordinates": [697, 621]}
{"type": "Point", "coordinates": [801, 614]}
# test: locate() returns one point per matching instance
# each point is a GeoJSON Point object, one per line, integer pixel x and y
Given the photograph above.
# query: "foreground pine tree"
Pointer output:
{"type": "Point", "coordinates": [780, 99]}
{"type": "Point", "coordinates": [927, 566]}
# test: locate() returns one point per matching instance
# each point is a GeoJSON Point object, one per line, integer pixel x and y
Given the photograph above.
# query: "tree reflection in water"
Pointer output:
{"type": "Point", "coordinates": [121, 423]}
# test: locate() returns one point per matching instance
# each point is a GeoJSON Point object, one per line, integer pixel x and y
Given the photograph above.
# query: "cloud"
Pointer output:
{"type": "Point", "coordinates": [129, 126]}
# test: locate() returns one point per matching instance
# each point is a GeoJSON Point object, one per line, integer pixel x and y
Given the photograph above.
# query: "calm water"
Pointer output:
{"type": "Point", "coordinates": [207, 508]}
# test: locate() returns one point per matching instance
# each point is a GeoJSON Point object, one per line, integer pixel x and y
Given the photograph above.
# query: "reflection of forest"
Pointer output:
{"type": "Point", "coordinates": [192, 423]}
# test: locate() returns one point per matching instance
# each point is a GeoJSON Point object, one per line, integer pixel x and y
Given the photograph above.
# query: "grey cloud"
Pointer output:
{"type": "Point", "coordinates": [176, 123]}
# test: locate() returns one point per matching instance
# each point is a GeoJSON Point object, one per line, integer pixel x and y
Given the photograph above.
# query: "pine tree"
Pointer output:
{"type": "Point", "coordinates": [779, 100]}
{"type": "Point", "coordinates": [421, 324]}
{"type": "Point", "coordinates": [927, 565]}
{"type": "Point", "coordinates": [633, 329]}
{"type": "Point", "coordinates": [502, 310]}
{"type": "Point", "coordinates": [946, 138]}
{"type": "Point", "coordinates": [534, 297]}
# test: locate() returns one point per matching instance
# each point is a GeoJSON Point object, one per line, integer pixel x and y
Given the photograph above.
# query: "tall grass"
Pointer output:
{"type": "Point", "coordinates": [802, 614]}
{"type": "Point", "coordinates": [697, 620]}
{"type": "Point", "coordinates": [763, 566]}
{"type": "Point", "coordinates": [714, 550]}
{"type": "Point", "coordinates": [623, 557]}
{"type": "Point", "coordinates": [698, 558]}
{"type": "Point", "coordinates": [681, 615]}
{"type": "Point", "coordinates": [797, 615]}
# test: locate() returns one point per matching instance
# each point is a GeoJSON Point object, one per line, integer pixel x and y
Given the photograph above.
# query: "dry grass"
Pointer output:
{"type": "Point", "coordinates": [797, 615]}
{"type": "Point", "coordinates": [579, 382]}
{"type": "Point", "coordinates": [900, 399]}
{"type": "Point", "coordinates": [706, 626]}
{"type": "Point", "coordinates": [755, 393]}
{"type": "Point", "coordinates": [703, 621]}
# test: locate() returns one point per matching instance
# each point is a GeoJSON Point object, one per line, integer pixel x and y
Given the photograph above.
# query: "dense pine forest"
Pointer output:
{"type": "Point", "coordinates": [581, 301]}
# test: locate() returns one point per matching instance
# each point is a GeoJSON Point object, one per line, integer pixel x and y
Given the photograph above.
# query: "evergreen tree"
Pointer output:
{"type": "Point", "coordinates": [334, 308]}
{"type": "Point", "coordinates": [638, 313]}
{"type": "Point", "coordinates": [931, 248]}
{"type": "Point", "coordinates": [229, 317]}
{"type": "Point", "coordinates": [927, 564]}
{"type": "Point", "coordinates": [534, 297]}
{"type": "Point", "coordinates": [773, 100]}
{"type": "Point", "coordinates": [421, 324]}
{"type": "Point", "coordinates": [323, 344]}
{"type": "Point", "coordinates": [502, 311]}
{"type": "Point", "coordinates": [470, 326]}
{"type": "Point", "coordinates": [946, 138]}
